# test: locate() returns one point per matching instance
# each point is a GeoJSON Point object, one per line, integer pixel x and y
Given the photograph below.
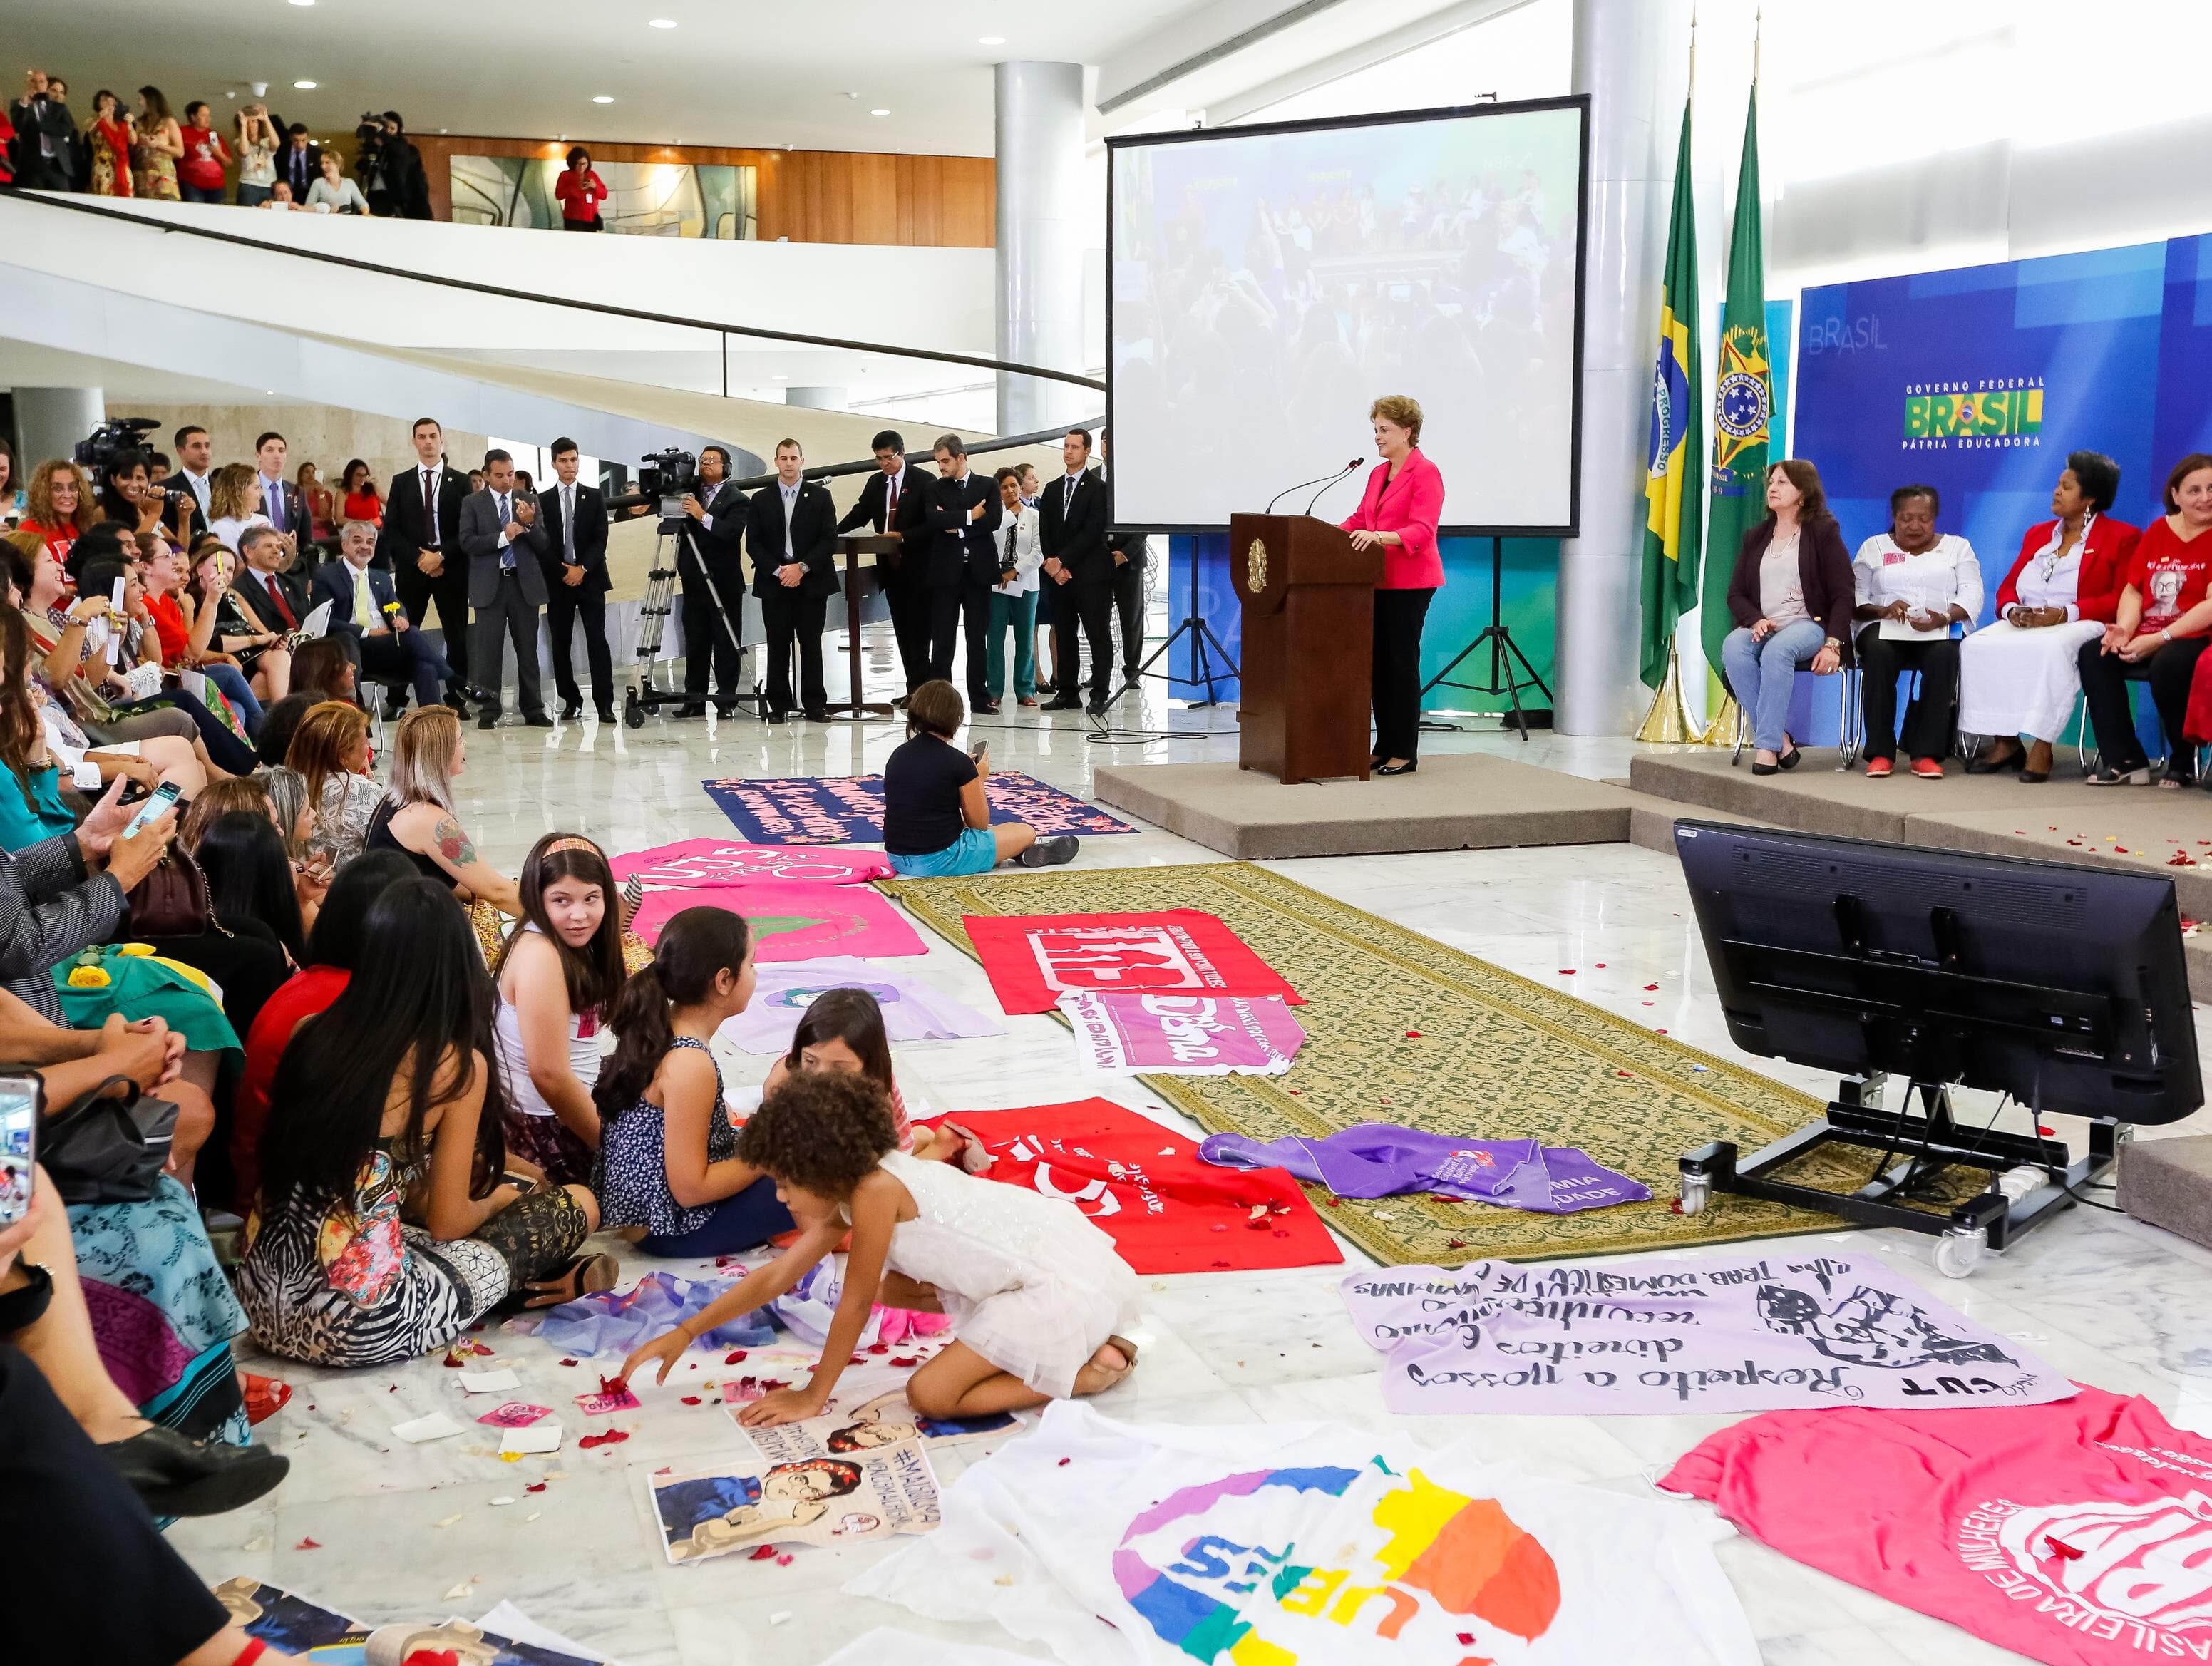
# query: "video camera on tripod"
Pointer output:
{"type": "Point", "coordinates": [664, 478]}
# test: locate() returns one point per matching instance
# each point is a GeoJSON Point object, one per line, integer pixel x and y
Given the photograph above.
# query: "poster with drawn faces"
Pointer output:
{"type": "Point", "coordinates": [815, 1501]}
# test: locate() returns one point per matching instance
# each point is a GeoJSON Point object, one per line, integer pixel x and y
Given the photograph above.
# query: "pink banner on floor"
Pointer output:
{"type": "Point", "coordinates": [1129, 1035]}
{"type": "Point", "coordinates": [721, 862]}
{"type": "Point", "coordinates": [793, 920]}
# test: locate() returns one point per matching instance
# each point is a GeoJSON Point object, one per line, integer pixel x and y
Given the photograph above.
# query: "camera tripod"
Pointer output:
{"type": "Point", "coordinates": [653, 613]}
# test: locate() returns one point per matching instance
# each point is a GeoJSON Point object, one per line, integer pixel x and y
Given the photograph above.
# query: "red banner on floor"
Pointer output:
{"type": "Point", "coordinates": [1145, 1187]}
{"type": "Point", "coordinates": [1032, 958]}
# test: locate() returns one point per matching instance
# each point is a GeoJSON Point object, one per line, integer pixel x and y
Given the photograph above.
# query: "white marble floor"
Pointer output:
{"type": "Point", "coordinates": [412, 1532]}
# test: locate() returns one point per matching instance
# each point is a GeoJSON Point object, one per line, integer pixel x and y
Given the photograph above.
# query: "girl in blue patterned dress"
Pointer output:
{"type": "Point", "coordinates": [667, 1152]}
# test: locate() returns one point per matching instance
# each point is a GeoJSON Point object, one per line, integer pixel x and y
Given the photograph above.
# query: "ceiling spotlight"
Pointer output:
{"type": "Point", "coordinates": [779, 378]}
{"type": "Point", "coordinates": [651, 23]}
{"type": "Point", "coordinates": [603, 98]}
{"type": "Point", "coordinates": [990, 40]}
{"type": "Point", "coordinates": [304, 86]}
{"type": "Point", "coordinates": [879, 112]}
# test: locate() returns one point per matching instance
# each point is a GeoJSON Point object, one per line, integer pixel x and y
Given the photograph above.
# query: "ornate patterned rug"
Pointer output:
{"type": "Point", "coordinates": [1495, 1056]}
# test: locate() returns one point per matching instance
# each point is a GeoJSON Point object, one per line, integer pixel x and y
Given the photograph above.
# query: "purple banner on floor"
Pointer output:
{"type": "Point", "coordinates": [850, 809]}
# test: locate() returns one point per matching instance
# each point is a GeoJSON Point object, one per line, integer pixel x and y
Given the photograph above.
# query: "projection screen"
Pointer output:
{"type": "Point", "coordinates": [1267, 283]}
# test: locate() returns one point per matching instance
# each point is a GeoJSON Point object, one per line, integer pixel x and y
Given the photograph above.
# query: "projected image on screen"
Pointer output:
{"type": "Point", "coordinates": [1267, 286]}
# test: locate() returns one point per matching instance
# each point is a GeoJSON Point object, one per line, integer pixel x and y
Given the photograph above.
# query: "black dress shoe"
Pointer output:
{"type": "Point", "coordinates": [605, 714]}
{"type": "Point", "coordinates": [539, 720]}
{"type": "Point", "coordinates": [1065, 702]}
{"type": "Point", "coordinates": [818, 713]}
{"type": "Point", "coordinates": [773, 714]}
{"type": "Point", "coordinates": [1096, 708]}
{"type": "Point", "coordinates": [487, 719]}
{"type": "Point", "coordinates": [571, 710]}
{"type": "Point", "coordinates": [393, 714]}
{"type": "Point", "coordinates": [1405, 768]}
{"type": "Point", "coordinates": [1989, 762]}
{"type": "Point", "coordinates": [692, 709]}
{"type": "Point", "coordinates": [986, 708]}
{"type": "Point", "coordinates": [176, 1476]}
{"type": "Point", "coordinates": [1765, 769]}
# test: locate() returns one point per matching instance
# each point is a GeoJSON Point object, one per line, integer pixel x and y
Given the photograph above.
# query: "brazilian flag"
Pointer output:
{"type": "Point", "coordinates": [1743, 401]}
{"type": "Point", "coordinates": [1674, 477]}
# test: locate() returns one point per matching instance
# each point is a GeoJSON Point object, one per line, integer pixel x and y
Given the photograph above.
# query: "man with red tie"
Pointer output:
{"type": "Point", "coordinates": [267, 586]}
{"type": "Point", "coordinates": [889, 503]}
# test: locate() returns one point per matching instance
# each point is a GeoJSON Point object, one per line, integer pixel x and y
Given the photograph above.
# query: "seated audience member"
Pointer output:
{"type": "Point", "coordinates": [843, 1029]}
{"type": "Point", "coordinates": [937, 818]}
{"type": "Point", "coordinates": [667, 1158]}
{"type": "Point", "coordinates": [1791, 598]}
{"type": "Point", "coordinates": [1925, 581]}
{"type": "Point", "coordinates": [321, 668]}
{"type": "Point", "coordinates": [278, 726]}
{"type": "Point", "coordinates": [558, 977]}
{"type": "Point", "coordinates": [331, 751]}
{"type": "Point", "coordinates": [417, 817]}
{"type": "Point", "coordinates": [289, 807]}
{"type": "Point", "coordinates": [336, 945]}
{"type": "Point", "coordinates": [386, 1225]}
{"type": "Point", "coordinates": [366, 611]}
{"type": "Point", "coordinates": [236, 793]}
{"type": "Point", "coordinates": [2018, 674]}
{"type": "Point", "coordinates": [250, 881]}
{"type": "Point", "coordinates": [333, 193]}
{"type": "Point", "coordinates": [2158, 631]}
{"type": "Point", "coordinates": [186, 631]}
{"type": "Point", "coordinates": [59, 506]}
{"type": "Point", "coordinates": [235, 503]}
{"type": "Point", "coordinates": [258, 649]}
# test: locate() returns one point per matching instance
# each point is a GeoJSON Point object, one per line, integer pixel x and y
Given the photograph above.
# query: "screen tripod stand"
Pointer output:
{"type": "Point", "coordinates": [1509, 670]}
{"type": "Point", "coordinates": [1205, 649]}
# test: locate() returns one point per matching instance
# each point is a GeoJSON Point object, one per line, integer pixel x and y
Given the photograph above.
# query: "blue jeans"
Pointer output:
{"type": "Point", "coordinates": [199, 193]}
{"type": "Point", "coordinates": [1761, 675]}
{"type": "Point", "coordinates": [236, 689]}
{"type": "Point", "coordinates": [1018, 614]}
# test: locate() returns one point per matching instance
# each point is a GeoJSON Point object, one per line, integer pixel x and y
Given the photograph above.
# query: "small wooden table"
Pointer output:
{"type": "Point", "coordinates": [856, 545]}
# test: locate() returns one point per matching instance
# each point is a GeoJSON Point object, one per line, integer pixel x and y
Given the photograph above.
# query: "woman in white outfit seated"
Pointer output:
{"type": "Point", "coordinates": [1913, 584]}
{"type": "Point", "coordinates": [2018, 674]}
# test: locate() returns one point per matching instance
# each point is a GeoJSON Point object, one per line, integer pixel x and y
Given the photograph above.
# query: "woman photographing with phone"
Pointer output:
{"type": "Point", "coordinates": [937, 818]}
{"type": "Point", "coordinates": [580, 191]}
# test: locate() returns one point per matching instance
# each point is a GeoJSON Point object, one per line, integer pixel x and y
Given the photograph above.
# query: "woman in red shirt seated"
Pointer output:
{"type": "Point", "coordinates": [60, 506]}
{"type": "Point", "coordinates": [1398, 513]}
{"type": "Point", "coordinates": [361, 501]}
{"type": "Point", "coordinates": [2157, 635]}
{"type": "Point", "coordinates": [580, 191]}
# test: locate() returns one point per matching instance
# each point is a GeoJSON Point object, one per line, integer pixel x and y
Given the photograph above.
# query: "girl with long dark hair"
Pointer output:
{"type": "Point", "coordinates": [559, 976]}
{"type": "Point", "coordinates": [667, 1152]}
{"type": "Point", "coordinates": [388, 1222]}
{"type": "Point", "coordinates": [249, 877]}
{"type": "Point", "coordinates": [842, 1030]}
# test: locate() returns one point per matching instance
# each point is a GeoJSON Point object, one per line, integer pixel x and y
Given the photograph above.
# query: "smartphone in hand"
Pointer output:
{"type": "Point", "coordinates": [163, 797]}
{"type": "Point", "coordinates": [21, 1099]}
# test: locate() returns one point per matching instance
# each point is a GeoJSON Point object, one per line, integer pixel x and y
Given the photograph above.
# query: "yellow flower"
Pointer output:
{"type": "Point", "coordinates": [135, 950]}
{"type": "Point", "coordinates": [89, 977]}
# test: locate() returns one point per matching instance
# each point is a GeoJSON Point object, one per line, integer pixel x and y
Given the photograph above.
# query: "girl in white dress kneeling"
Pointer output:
{"type": "Point", "coordinates": [2018, 674]}
{"type": "Point", "coordinates": [1036, 1294]}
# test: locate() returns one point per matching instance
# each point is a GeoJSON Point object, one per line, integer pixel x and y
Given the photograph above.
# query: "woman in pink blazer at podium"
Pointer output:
{"type": "Point", "coordinates": [1404, 500]}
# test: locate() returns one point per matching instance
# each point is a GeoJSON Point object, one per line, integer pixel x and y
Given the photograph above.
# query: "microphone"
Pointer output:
{"type": "Point", "coordinates": [1331, 478]}
{"type": "Point", "coordinates": [1323, 492]}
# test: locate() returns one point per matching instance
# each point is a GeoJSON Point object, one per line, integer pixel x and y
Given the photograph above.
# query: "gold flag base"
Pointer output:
{"type": "Point", "coordinates": [1667, 723]}
{"type": "Point", "coordinates": [1721, 731]}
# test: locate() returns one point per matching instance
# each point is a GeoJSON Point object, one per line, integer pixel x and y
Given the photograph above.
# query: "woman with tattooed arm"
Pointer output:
{"type": "Point", "coordinates": [417, 818]}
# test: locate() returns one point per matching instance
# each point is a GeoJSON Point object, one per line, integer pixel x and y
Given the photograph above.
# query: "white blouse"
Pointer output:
{"type": "Point", "coordinates": [2049, 581]}
{"type": "Point", "coordinates": [1021, 530]}
{"type": "Point", "coordinates": [1933, 581]}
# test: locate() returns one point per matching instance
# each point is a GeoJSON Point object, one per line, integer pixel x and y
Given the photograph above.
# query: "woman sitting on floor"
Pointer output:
{"type": "Point", "coordinates": [937, 817]}
{"type": "Point", "coordinates": [386, 1223]}
{"type": "Point", "coordinates": [667, 1147]}
{"type": "Point", "coordinates": [417, 817]}
{"type": "Point", "coordinates": [1913, 578]}
{"type": "Point", "coordinates": [842, 1030]}
{"type": "Point", "coordinates": [559, 976]}
{"type": "Point", "coordinates": [2018, 675]}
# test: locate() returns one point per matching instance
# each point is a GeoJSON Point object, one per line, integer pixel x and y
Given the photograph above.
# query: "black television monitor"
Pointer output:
{"type": "Point", "coordinates": [2063, 986]}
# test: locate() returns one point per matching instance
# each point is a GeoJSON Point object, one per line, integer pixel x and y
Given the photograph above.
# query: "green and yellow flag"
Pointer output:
{"type": "Point", "coordinates": [1673, 503]}
{"type": "Point", "coordinates": [1743, 400]}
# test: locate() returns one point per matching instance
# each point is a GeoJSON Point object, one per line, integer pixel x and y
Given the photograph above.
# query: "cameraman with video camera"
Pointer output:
{"type": "Point", "coordinates": [708, 549]}
{"type": "Point", "coordinates": [390, 168]}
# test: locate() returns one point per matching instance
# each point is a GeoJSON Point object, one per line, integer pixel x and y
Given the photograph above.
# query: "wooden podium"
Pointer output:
{"type": "Point", "coordinates": [886, 551]}
{"type": "Point", "coordinates": [1308, 646]}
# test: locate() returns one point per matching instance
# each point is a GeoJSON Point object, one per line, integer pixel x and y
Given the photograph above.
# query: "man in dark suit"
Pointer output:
{"type": "Point", "coordinates": [573, 517]}
{"type": "Point", "coordinates": [366, 611]}
{"type": "Point", "coordinates": [1078, 571]}
{"type": "Point", "coordinates": [300, 163]}
{"type": "Point", "coordinates": [507, 587]}
{"type": "Point", "coordinates": [280, 498]}
{"type": "Point", "coordinates": [1129, 553]}
{"type": "Point", "coordinates": [271, 591]}
{"type": "Point", "coordinates": [45, 148]}
{"type": "Point", "coordinates": [421, 546]}
{"type": "Point", "coordinates": [895, 501]}
{"type": "Point", "coordinates": [964, 567]}
{"type": "Point", "coordinates": [790, 533]}
{"type": "Point", "coordinates": [710, 548]}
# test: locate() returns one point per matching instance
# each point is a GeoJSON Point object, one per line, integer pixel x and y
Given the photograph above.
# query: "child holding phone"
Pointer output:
{"type": "Point", "coordinates": [1038, 1297]}
{"type": "Point", "coordinates": [937, 818]}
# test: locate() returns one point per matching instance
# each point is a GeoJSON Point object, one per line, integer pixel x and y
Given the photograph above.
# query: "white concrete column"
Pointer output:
{"type": "Point", "coordinates": [1039, 130]}
{"type": "Point", "coordinates": [49, 421]}
{"type": "Point", "coordinates": [1632, 57]}
{"type": "Point", "coordinates": [816, 398]}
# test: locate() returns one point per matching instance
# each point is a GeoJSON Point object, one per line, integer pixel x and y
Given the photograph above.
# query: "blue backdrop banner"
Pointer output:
{"type": "Point", "coordinates": [1978, 381]}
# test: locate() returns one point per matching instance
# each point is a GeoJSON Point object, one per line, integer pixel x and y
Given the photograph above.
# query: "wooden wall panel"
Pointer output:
{"type": "Point", "coordinates": [808, 195]}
